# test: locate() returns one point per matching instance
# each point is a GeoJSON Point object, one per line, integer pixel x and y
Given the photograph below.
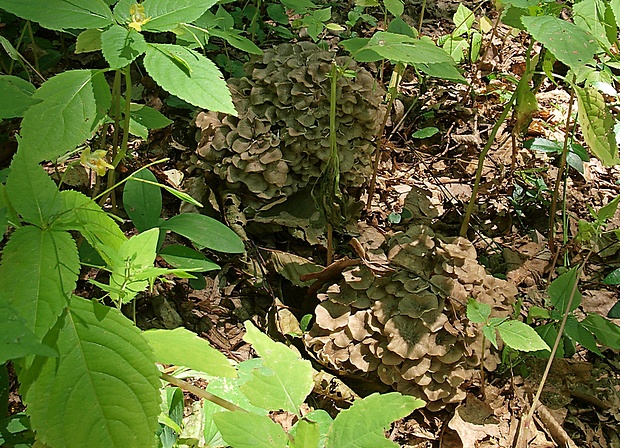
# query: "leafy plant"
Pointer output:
{"type": "Point", "coordinates": [465, 41]}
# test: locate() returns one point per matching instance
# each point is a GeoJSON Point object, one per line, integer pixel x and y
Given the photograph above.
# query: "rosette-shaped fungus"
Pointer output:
{"type": "Point", "coordinates": [410, 329]}
{"type": "Point", "coordinates": [279, 143]}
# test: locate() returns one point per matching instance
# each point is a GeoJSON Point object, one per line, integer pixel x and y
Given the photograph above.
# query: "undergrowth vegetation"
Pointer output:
{"type": "Point", "coordinates": [88, 376]}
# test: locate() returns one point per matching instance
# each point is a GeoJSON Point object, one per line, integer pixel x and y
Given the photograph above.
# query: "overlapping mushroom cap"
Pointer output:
{"type": "Point", "coordinates": [409, 329]}
{"type": "Point", "coordinates": [279, 143]}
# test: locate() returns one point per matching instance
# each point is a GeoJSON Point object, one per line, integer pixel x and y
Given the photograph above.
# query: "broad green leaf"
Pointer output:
{"type": "Point", "coordinates": [615, 7]}
{"type": "Point", "coordinates": [205, 231]}
{"type": "Point", "coordinates": [62, 14]}
{"type": "Point", "coordinates": [307, 435]}
{"type": "Point", "coordinates": [597, 124]}
{"type": "Point", "coordinates": [456, 47]}
{"type": "Point", "coordinates": [399, 26]}
{"type": "Point", "coordinates": [323, 419]}
{"type": "Point", "coordinates": [38, 273]}
{"type": "Point", "coordinates": [172, 416]}
{"type": "Point", "coordinates": [395, 7]}
{"type": "Point", "coordinates": [103, 390]}
{"type": "Point", "coordinates": [591, 15]}
{"type": "Point", "coordinates": [234, 38]}
{"type": "Point", "coordinates": [121, 46]}
{"type": "Point", "coordinates": [202, 85]}
{"type": "Point", "coordinates": [166, 15]}
{"type": "Point", "coordinates": [121, 11]}
{"type": "Point", "coordinates": [181, 347]}
{"type": "Point", "coordinates": [400, 48]}
{"type": "Point", "coordinates": [543, 145]}
{"type": "Point", "coordinates": [212, 436]}
{"type": "Point", "coordinates": [425, 132]}
{"type": "Point", "coordinates": [608, 211]}
{"type": "Point", "coordinates": [244, 430]}
{"type": "Point", "coordinates": [31, 191]}
{"type": "Point", "coordinates": [184, 257]}
{"type": "Point", "coordinates": [560, 291]}
{"type": "Point", "coordinates": [87, 41]}
{"type": "Point", "coordinates": [490, 333]}
{"type": "Point", "coordinates": [142, 201]}
{"type": "Point", "coordinates": [16, 94]}
{"type": "Point", "coordinates": [289, 381]}
{"type": "Point", "coordinates": [607, 332]}
{"type": "Point", "coordinates": [520, 336]}
{"type": "Point", "coordinates": [16, 432]}
{"type": "Point", "coordinates": [16, 339]}
{"type": "Point", "coordinates": [570, 44]}
{"type": "Point", "coordinates": [442, 70]}
{"type": "Point", "coordinates": [463, 20]}
{"type": "Point", "coordinates": [73, 104]}
{"type": "Point", "coordinates": [10, 215]}
{"type": "Point", "coordinates": [364, 423]}
{"type": "Point", "coordinates": [148, 117]}
{"type": "Point", "coordinates": [580, 334]}
{"type": "Point", "coordinates": [614, 312]}
{"type": "Point", "coordinates": [478, 312]}
{"type": "Point", "coordinates": [549, 333]}
{"type": "Point", "coordinates": [613, 278]}
{"type": "Point", "coordinates": [81, 213]}
{"type": "Point", "coordinates": [301, 6]}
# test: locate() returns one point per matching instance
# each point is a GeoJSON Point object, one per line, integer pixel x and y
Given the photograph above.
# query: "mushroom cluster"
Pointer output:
{"type": "Point", "coordinates": [279, 143]}
{"type": "Point", "coordinates": [409, 329]}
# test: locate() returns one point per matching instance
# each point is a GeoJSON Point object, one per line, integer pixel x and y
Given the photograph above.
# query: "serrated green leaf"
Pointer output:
{"type": "Point", "coordinates": [31, 191]}
{"type": "Point", "coordinates": [520, 336]}
{"type": "Point", "coordinates": [184, 257]}
{"type": "Point", "coordinates": [181, 347]}
{"type": "Point", "coordinates": [166, 15]}
{"type": "Point", "coordinates": [400, 48]}
{"type": "Point", "coordinates": [73, 104]}
{"type": "Point", "coordinates": [245, 430]}
{"type": "Point", "coordinates": [16, 339]}
{"type": "Point", "coordinates": [580, 334]}
{"type": "Point", "coordinates": [570, 44]}
{"type": "Point", "coordinates": [289, 381]}
{"type": "Point", "coordinates": [39, 271]}
{"type": "Point", "coordinates": [16, 94]}
{"type": "Point", "coordinates": [478, 312]}
{"type": "Point", "coordinates": [103, 391]}
{"type": "Point", "coordinates": [121, 46]}
{"type": "Point", "coordinates": [364, 423]}
{"type": "Point", "coordinates": [206, 232]}
{"type": "Point", "coordinates": [62, 14]}
{"type": "Point", "coordinates": [561, 288]}
{"type": "Point", "coordinates": [203, 86]}
{"type": "Point", "coordinates": [607, 332]}
{"type": "Point", "coordinates": [395, 7]}
{"type": "Point", "coordinates": [142, 201]}
{"type": "Point", "coordinates": [306, 434]}
{"type": "Point", "coordinates": [596, 124]}
{"type": "Point", "coordinates": [88, 40]}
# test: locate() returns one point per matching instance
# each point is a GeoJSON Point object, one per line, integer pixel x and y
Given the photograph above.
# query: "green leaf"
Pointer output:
{"type": "Point", "coordinates": [561, 288]}
{"type": "Point", "coordinates": [16, 94]}
{"type": "Point", "coordinates": [245, 430]}
{"type": "Point", "coordinates": [425, 132]}
{"type": "Point", "coordinates": [103, 391]}
{"type": "Point", "coordinates": [287, 384]}
{"type": "Point", "coordinates": [590, 15]}
{"type": "Point", "coordinates": [203, 86]}
{"type": "Point", "coordinates": [580, 334]}
{"type": "Point", "coordinates": [596, 124]}
{"type": "Point", "coordinates": [614, 312]}
{"type": "Point", "coordinates": [206, 232]}
{"type": "Point", "coordinates": [478, 312]}
{"type": "Point", "coordinates": [543, 145]}
{"type": "Point", "coordinates": [181, 347]}
{"type": "Point", "coordinates": [490, 333]}
{"type": "Point", "coordinates": [456, 47]}
{"type": "Point", "coordinates": [608, 211]}
{"type": "Point", "coordinates": [121, 46]}
{"type": "Point", "coordinates": [570, 44]}
{"type": "Point", "coordinates": [400, 48]}
{"type": "Point", "coordinates": [31, 191]}
{"type": "Point", "coordinates": [172, 416]}
{"type": "Point", "coordinates": [323, 419]}
{"type": "Point", "coordinates": [463, 20]}
{"type": "Point", "coordinates": [211, 434]}
{"type": "Point", "coordinates": [520, 336]}
{"type": "Point", "coordinates": [607, 332]}
{"type": "Point", "coordinates": [395, 7]}
{"type": "Point", "coordinates": [184, 257]}
{"type": "Point", "coordinates": [62, 14]}
{"type": "Point", "coordinates": [443, 70]}
{"type": "Point", "coordinates": [73, 104]}
{"type": "Point", "coordinates": [88, 40]}
{"type": "Point", "coordinates": [16, 339]}
{"type": "Point", "coordinates": [613, 278]}
{"type": "Point", "coordinates": [142, 201]}
{"type": "Point", "coordinates": [364, 423]}
{"type": "Point", "coordinates": [306, 435]}
{"type": "Point", "coordinates": [39, 271]}
{"type": "Point", "coordinates": [166, 15]}
{"type": "Point", "coordinates": [234, 38]}
{"type": "Point", "coordinates": [148, 117]}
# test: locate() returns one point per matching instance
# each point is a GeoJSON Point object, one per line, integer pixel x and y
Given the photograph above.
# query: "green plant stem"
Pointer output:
{"type": "Point", "coordinates": [123, 150]}
{"type": "Point", "coordinates": [201, 393]}
{"type": "Point", "coordinates": [421, 17]}
{"type": "Point", "coordinates": [35, 48]}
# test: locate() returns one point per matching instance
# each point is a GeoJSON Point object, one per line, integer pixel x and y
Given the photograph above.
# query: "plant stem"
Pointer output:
{"type": "Point", "coordinates": [201, 393]}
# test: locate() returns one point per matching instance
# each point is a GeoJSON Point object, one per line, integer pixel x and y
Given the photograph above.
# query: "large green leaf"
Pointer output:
{"type": "Point", "coordinates": [401, 48]}
{"type": "Point", "coordinates": [121, 46]}
{"type": "Point", "coordinates": [16, 94]}
{"type": "Point", "coordinates": [206, 232]}
{"type": "Point", "coordinates": [561, 289]}
{"type": "Point", "coordinates": [62, 14]}
{"type": "Point", "coordinates": [244, 430]}
{"type": "Point", "coordinates": [597, 17]}
{"type": "Point", "coordinates": [142, 118]}
{"type": "Point", "coordinates": [142, 201]}
{"type": "Point", "coordinates": [570, 44]}
{"type": "Point", "coordinates": [184, 257]}
{"type": "Point", "coordinates": [597, 124]}
{"type": "Point", "coordinates": [38, 273]}
{"type": "Point", "coordinates": [31, 191]}
{"type": "Point", "coordinates": [190, 76]}
{"type": "Point", "coordinates": [181, 347]}
{"type": "Point", "coordinates": [73, 104]}
{"type": "Point", "coordinates": [607, 332]}
{"type": "Point", "coordinates": [520, 336]}
{"type": "Point", "coordinates": [289, 382]}
{"type": "Point", "coordinates": [103, 390]}
{"type": "Point", "coordinates": [16, 339]}
{"type": "Point", "coordinates": [364, 423]}
{"type": "Point", "coordinates": [166, 15]}
{"type": "Point", "coordinates": [581, 334]}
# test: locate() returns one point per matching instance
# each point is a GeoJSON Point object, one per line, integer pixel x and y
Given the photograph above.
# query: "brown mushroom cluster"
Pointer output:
{"type": "Point", "coordinates": [279, 143]}
{"type": "Point", "coordinates": [409, 329]}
